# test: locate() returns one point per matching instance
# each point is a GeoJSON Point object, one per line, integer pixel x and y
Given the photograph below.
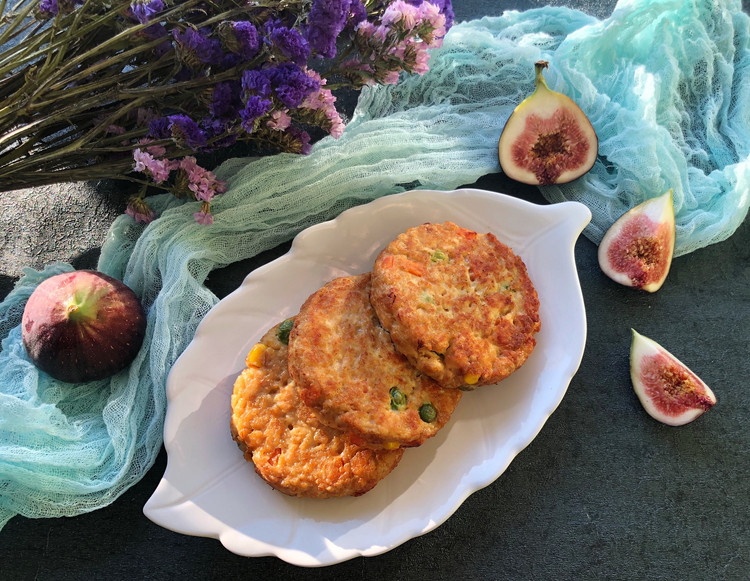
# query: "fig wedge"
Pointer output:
{"type": "Point", "coordinates": [637, 249]}
{"type": "Point", "coordinates": [547, 139]}
{"type": "Point", "coordinates": [668, 390]}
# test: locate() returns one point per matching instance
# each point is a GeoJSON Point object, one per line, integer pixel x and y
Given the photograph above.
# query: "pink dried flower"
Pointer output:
{"type": "Point", "coordinates": [323, 100]}
{"type": "Point", "coordinates": [202, 182]}
{"type": "Point", "coordinates": [205, 216]}
{"type": "Point", "coordinates": [431, 16]}
{"type": "Point", "coordinates": [422, 57]}
{"type": "Point", "coordinates": [279, 120]}
{"type": "Point", "coordinates": [391, 78]}
{"type": "Point", "coordinates": [154, 150]}
{"type": "Point", "coordinates": [158, 168]}
{"type": "Point", "coordinates": [430, 13]}
{"type": "Point", "coordinates": [375, 33]}
{"type": "Point", "coordinates": [139, 210]}
{"type": "Point", "coordinates": [399, 12]}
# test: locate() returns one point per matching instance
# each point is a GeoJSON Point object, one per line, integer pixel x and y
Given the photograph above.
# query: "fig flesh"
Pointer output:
{"type": "Point", "coordinates": [637, 249]}
{"type": "Point", "coordinates": [547, 139]}
{"type": "Point", "coordinates": [82, 326]}
{"type": "Point", "coordinates": [668, 390]}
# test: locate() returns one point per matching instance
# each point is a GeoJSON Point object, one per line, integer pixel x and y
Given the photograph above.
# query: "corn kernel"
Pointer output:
{"type": "Point", "coordinates": [255, 357]}
{"type": "Point", "coordinates": [391, 445]}
{"type": "Point", "coordinates": [471, 378]}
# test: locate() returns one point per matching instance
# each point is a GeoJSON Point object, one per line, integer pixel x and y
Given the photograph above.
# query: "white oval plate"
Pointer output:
{"type": "Point", "coordinates": [208, 489]}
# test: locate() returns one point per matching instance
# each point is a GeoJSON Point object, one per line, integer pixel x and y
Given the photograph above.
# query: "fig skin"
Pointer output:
{"type": "Point", "coordinates": [547, 139]}
{"type": "Point", "coordinates": [82, 326]}
{"type": "Point", "coordinates": [637, 249]}
{"type": "Point", "coordinates": [668, 390]}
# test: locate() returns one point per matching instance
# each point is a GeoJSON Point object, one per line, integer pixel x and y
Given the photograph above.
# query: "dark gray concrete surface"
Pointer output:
{"type": "Point", "coordinates": [603, 492]}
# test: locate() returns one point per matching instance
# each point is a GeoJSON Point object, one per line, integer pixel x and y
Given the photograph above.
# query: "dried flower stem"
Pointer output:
{"type": "Point", "coordinates": [73, 87]}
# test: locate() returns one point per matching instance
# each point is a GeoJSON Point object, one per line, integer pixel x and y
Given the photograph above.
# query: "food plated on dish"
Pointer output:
{"type": "Point", "coordinates": [209, 489]}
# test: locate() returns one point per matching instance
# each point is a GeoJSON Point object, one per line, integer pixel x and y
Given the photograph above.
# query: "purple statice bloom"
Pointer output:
{"type": "Point", "coordinates": [247, 39]}
{"type": "Point", "coordinates": [326, 20]}
{"type": "Point", "coordinates": [157, 30]}
{"type": "Point", "coordinates": [291, 84]}
{"type": "Point", "coordinates": [256, 82]}
{"type": "Point", "coordinates": [219, 131]}
{"type": "Point", "coordinates": [357, 13]}
{"type": "Point", "coordinates": [48, 7]}
{"type": "Point", "coordinates": [445, 6]}
{"type": "Point", "coordinates": [159, 128]}
{"type": "Point", "coordinates": [198, 47]}
{"type": "Point", "coordinates": [303, 137]}
{"type": "Point", "coordinates": [255, 107]}
{"type": "Point", "coordinates": [288, 41]}
{"type": "Point", "coordinates": [225, 99]}
{"type": "Point", "coordinates": [144, 11]}
{"type": "Point", "coordinates": [184, 130]}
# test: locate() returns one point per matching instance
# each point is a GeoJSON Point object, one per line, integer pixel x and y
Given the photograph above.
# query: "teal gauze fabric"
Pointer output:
{"type": "Point", "coordinates": [664, 82]}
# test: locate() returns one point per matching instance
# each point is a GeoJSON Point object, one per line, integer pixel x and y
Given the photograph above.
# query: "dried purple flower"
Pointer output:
{"type": "Point", "coordinates": [195, 49]}
{"type": "Point", "coordinates": [144, 11]}
{"type": "Point", "coordinates": [357, 13]}
{"type": "Point", "coordinates": [256, 82]}
{"type": "Point", "coordinates": [48, 7]}
{"type": "Point", "coordinates": [289, 42]}
{"type": "Point", "coordinates": [291, 84]}
{"type": "Point", "coordinates": [326, 20]}
{"type": "Point", "coordinates": [254, 108]}
{"type": "Point", "coordinates": [302, 137]}
{"type": "Point", "coordinates": [240, 38]}
{"type": "Point", "coordinates": [220, 132]}
{"type": "Point", "coordinates": [186, 132]}
{"type": "Point", "coordinates": [159, 128]}
{"type": "Point", "coordinates": [225, 99]}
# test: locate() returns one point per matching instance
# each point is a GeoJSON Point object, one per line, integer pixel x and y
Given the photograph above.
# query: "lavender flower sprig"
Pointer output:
{"type": "Point", "coordinates": [136, 90]}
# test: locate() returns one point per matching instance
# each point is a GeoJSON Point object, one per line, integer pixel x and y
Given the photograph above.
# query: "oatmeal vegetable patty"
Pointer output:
{"type": "Point", "coordinates": [458, 304]}
{"type": "Point", "coordinates": [349, 372]}
{"type": "Point", "coordinates": [291, 450]}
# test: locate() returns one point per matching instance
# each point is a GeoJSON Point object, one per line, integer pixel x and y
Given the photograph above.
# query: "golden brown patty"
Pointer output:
{"type": "Point", "coordinates": [291, 450]}
{"type": "Point", "coordinates": [458, 304]}
{"type": "Point", "coordinates": [349, 372]}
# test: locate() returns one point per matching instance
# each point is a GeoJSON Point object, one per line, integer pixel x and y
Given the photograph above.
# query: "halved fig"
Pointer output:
{"type": "Point", "coordinates": [667, 389]}
{"type": "Point", "coordinates": [547, 139]}
{"type": "Point", "coordinates": [637, 249]}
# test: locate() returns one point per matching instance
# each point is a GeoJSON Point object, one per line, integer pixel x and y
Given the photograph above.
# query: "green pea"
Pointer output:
{"type": "Point", "coordinates": [427, 298]}
{"type": "Point", "coordinates": [427, 413]}
{"type": "Point", "coordinates": [398, 399]}
{"type": "Point", "coordinates": [284, 329]}
{"type": "Point", "coordinates": [438, 256]}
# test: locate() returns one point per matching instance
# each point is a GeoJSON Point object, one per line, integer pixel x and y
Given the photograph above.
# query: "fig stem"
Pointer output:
{"type": "Point", "coordinates": [83, 305]}
{"type": "Point", "coordinates": [539, 67]}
